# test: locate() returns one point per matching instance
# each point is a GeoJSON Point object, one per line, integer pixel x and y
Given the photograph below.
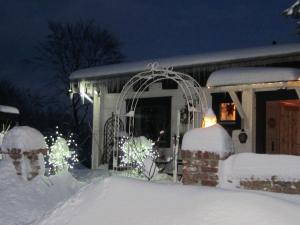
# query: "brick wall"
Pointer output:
{"type": "Point", "coordinates": [272, 185]}
{"type": "Point", "coordinates": [200, 168]}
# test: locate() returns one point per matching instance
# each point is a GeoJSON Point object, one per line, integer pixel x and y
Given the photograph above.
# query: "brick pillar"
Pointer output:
{"type": "Point", "coordinates": [16, 155]}
{"type": "Point", "coordinates": [200, 168]}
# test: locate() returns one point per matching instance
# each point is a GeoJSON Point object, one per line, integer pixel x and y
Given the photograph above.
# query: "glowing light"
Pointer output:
{"type": "Point", "coordinates": [136, 150]}
{"type": "Point", "coordinates": [85, 96]}
{"type": "Point", "coordinates": [62, 152]}
{"type": "Point", "coordinates": [209, 119]}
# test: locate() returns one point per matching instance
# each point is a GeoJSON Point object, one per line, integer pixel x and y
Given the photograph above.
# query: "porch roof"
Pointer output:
{"type": "Point", "coordinates": [255, 78]}
{"type": "Point", "coordinates": [123, 69]}
{"type": "Point", "coordinates": [252, 75]}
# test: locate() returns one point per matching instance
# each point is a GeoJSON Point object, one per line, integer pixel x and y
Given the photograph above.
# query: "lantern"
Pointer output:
{"type": "Point", "coordinates": [243, 137]}
{"type": "Point", "coordinates": [209, 118]}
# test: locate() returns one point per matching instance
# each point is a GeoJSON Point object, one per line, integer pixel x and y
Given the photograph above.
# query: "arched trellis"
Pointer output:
{"type": "Point", "coordinates": [192, 92]}
{"type": "Point", "coordinates": [109, 137]}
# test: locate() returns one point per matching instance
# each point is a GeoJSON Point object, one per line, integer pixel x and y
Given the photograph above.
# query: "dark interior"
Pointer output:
{"type": "Point", "coordinates": [153, 115]}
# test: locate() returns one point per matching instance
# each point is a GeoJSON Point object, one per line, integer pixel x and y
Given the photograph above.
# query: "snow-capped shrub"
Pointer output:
{"type": "Point", "coordinates": [62, 154]}
{"type": "Point", "coordinates": [2, 133]}
{"type": "Point", "coordinates": [140, 154]}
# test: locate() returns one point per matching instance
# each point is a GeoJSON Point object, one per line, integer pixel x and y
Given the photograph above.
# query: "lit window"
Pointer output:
{"type": "Point", "coordinates": [227, 111]}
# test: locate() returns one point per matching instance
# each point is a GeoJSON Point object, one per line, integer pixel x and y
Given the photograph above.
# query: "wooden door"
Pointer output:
{"type": "Point", "coordinates": [272, 128]}
{"type": "Point", "coordinates": [283, 127]}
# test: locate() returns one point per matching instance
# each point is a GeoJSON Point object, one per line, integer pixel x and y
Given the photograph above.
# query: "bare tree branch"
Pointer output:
{"type": "Point", "coordinates": [69, 47]}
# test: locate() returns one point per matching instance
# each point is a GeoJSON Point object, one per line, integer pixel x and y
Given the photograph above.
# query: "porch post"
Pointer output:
{"type": "Point", "coordinates": [96, 132]}
{"type": "Point", "coordinates": [249, 107]}
{"type": "Point", "coordinates": [298, 91]}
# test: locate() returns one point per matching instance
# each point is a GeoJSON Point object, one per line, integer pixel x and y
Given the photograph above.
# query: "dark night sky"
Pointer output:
{"type": "Point", "coordinates": [147, 29]}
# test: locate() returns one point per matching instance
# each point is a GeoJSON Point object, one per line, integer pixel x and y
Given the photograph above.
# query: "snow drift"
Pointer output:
{"type": "Point", "coordinates": [22, 201]}
{"type": "Point", "coordinates": [125, 201]}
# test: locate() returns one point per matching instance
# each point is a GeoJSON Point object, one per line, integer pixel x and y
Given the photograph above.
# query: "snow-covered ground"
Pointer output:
{"type": "Point", "coordinates": [22, 202]}
{"type": "Point", "coordinates": [95, 198]}
{"type": "Point", "coordinates": [118, 200]}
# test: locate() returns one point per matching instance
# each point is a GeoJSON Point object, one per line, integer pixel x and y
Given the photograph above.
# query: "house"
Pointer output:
{"type": "Point", "coordinates": [165, 104]}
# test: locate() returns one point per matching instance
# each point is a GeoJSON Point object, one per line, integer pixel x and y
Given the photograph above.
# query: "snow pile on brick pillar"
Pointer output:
{"type": "Point", "coordinates": [213, 139]}
{"type": "Point", "coordinates": [26, 147]}
{"type": "Point", "coordinates": [202, 149]}
{"type": "Point", "coordinates": [276, 173]}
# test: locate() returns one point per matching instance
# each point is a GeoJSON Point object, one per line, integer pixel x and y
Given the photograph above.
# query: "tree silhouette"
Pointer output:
{"type": "Point", "coordinates": [69, 47]}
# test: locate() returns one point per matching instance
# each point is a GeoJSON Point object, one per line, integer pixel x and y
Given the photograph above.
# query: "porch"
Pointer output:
{"type": "Point", "coordinates": [264, 108]}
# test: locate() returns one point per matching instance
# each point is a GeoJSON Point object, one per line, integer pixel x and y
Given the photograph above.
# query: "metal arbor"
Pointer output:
{"type": "Point", "coordinates": [193, 94]}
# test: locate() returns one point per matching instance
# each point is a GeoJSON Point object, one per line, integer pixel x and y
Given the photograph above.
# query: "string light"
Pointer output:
{"type": "Point", "coordinates": [135, 150]}
{"type": "Point", "coordinates": [62, 152]}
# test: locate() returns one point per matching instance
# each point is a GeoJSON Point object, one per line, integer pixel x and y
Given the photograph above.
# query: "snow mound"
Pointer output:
{"type": "Point", "coordinates": [126, 201]}
{"type": "Point", "coordinates": [213, 139]}
{"type": "Point", "coordinates": [24, 138]}
{"type": "Point", "coordinates": [260, 166]}
{"type": "Point", "coordinates": [9, 109]}
{"type": "Point", "coordinates": [252, 75]}
{"type": "Point", "coordinates": [22, 202]}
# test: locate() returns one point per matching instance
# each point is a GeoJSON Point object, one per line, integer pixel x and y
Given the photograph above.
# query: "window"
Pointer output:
{"type": "Point", "coordinates": [227, 112]}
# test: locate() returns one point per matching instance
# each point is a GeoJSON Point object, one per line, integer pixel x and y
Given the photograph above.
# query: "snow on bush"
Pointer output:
{"type": "Point", "coordinates": [62, 154]}
{"type": "Point", "coordinates": [247, 166]}
{"type": "Point", "coordinates": [213, 139]}
{"type": "Point", "coordinates": [2, 133]}
{"type": "Point", "coordinates": [139, 153]}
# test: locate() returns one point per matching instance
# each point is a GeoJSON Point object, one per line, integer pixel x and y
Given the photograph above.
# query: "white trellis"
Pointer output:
{"type": "Point", "coordinates": [192, 92]}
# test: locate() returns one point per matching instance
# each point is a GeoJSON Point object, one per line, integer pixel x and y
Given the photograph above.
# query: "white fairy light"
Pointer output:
{"type": "Point", "coordinates": [62, 154]}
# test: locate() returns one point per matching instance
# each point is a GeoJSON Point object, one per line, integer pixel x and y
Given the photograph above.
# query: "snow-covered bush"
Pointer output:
{"type": "Point", "coordinates": [140, 154]}
{"type": "Point", "coordinates": [62, 154]}
{"type": "Point", "coordinates": [2, 133]}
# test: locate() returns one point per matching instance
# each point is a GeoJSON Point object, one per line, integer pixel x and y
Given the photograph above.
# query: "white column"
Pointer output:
{"type": "Point", "coordinates": [249, 107]}
{"type": "Point", "coordinates": [298, 91]}
{"type": "Point", "coordinates": [96, 132]}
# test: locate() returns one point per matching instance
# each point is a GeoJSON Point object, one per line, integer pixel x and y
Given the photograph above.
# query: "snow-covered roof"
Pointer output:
{"type": "Point", "coordinates": [252, 75]}
{"type": "Point", "coordinates": [9, 109]}
{"type": "Point", "coordinates": [213, 139]}
{"type": "Point", "coordinates": [185, 61]}
{"type": "Point", "coordinates": [23, 138]}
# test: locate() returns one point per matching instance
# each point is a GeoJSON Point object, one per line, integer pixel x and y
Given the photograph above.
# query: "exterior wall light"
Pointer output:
{"type": "Point", "coordinates": [209, 119]}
